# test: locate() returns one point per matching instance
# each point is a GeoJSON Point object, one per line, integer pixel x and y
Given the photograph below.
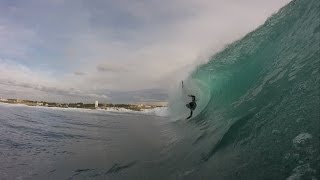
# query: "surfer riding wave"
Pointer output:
{"type": "Point", "coordinates": [192, 105]}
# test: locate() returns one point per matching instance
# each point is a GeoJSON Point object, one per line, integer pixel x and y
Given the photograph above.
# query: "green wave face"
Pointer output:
{"type": "Point", "coordinates": [259, 101]}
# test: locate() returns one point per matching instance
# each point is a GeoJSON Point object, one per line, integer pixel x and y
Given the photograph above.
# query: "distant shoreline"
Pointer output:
{"type": "Point", "coordinates": [80, 105]}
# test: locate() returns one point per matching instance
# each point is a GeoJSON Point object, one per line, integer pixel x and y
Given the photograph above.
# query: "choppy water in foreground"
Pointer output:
{"type": "Point", "coordinates": [45, 143]}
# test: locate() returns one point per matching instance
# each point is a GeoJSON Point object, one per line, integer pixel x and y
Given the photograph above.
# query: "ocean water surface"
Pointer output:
{"type": "Point", "coordinates": [46, 143]}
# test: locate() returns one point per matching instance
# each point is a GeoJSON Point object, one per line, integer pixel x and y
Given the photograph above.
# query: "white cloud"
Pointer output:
{"type": "Point", "coordinates": [124, 45]}
{"type": "Point", "coordinates": [19, 78]}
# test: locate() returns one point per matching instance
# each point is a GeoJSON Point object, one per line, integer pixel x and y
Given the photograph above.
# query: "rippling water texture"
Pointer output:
{"type": "Point", "coordinates": [44, 143]}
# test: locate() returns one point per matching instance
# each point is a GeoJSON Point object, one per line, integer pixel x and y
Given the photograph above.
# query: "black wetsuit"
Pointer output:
{"type": "Point", "coordinates": [192, 105]}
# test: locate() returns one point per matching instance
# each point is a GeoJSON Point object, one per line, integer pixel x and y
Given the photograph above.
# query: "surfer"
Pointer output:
{"type": "Point", "coordinates": [192, 105]}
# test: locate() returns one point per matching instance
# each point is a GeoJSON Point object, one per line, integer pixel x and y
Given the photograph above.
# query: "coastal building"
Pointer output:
{"type": "Point", "coordinates": [96, 104]}
{"type": "Point", "coordinates": [4, 100]}
{"type": "Point", "coordinates": [12, 100]}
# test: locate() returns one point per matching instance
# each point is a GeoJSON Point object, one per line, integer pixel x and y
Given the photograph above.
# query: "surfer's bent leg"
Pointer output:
{"type": "Point", "coordinates": [191, 112]}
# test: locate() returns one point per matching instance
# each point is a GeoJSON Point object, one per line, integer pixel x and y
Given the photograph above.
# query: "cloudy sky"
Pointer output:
{"type": "Point", "coordinates": [114, 50]}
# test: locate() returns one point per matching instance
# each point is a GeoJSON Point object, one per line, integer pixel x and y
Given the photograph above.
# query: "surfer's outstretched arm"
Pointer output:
{"type": "Point", "coordinates": [190, 115]}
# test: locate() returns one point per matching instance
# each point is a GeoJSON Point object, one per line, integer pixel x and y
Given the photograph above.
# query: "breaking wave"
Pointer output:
{"type": "Point", "coordinates": [258, 98]}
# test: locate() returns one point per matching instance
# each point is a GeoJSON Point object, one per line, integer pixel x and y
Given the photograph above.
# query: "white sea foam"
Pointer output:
{"type": "Point", "coordinates": [301, 138]}
{"type": "Point", "coordinates": [114, 109]}
{"type": "Point", "coordinates": [300, 171]}
{"type": "Point", "coordinates": [159, 111]}
{"type": "Point", "coordinates": [7, 104]}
